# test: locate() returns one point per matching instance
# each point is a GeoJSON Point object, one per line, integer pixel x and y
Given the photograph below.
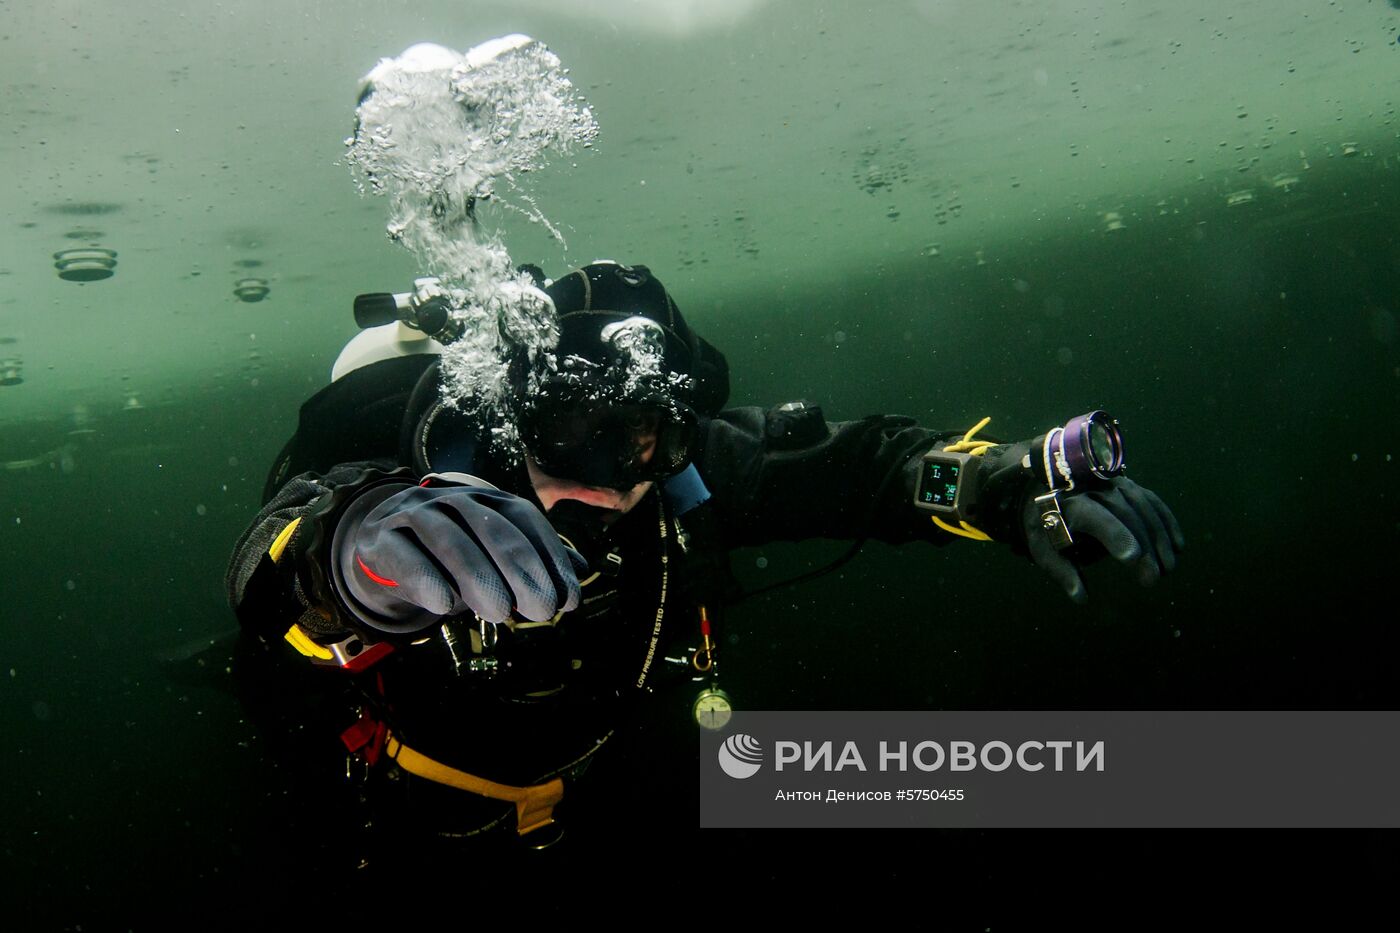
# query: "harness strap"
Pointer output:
{"type": "Point", "coordinates": [534, 806]}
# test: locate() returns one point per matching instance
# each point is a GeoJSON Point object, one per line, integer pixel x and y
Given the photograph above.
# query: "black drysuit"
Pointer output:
{"type": "Point", "coordinates": [540, 702]}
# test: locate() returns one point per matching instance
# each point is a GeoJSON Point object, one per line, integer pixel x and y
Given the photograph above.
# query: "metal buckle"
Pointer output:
{"type": "Point", "coordinates": [1052, 520]}
{"type": "Point", "coordinates": [472, 657]}
{"type": "Point", "coordinates": [356, 769]}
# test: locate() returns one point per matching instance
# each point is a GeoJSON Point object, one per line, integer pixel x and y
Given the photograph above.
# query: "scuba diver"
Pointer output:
{"type": "Point", "coordinates": [483, 595]}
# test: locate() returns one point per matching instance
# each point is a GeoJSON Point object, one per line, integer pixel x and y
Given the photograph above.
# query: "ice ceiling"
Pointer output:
{"type": "Point", "coordinates": [744, 143]}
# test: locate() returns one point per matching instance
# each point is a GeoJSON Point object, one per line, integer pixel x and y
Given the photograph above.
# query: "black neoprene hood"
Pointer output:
{"type": "Point", "coordinates": [587, 300]}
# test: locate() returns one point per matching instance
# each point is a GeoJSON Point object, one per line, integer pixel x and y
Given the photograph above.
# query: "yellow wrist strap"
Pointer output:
{"type": "Point", "coordinates": [966, 531]}
{"type": "Point", "coordinates": [977, 448]}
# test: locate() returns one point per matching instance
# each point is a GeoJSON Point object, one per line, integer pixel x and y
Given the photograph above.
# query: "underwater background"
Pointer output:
{"type": "Point", "coordinates": [1183, 214]}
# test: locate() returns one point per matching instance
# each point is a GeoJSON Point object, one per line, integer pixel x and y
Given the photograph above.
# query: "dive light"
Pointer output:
{"type": "Point", "coordinates": [1088, 447]}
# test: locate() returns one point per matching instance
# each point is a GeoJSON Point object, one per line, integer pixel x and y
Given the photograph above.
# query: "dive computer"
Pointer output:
{"type": "Point", "coordinates": [945, 485]}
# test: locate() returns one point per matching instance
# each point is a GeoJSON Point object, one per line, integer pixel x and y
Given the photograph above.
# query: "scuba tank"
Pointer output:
{"type": "Point", "coordinates": [394, 325]}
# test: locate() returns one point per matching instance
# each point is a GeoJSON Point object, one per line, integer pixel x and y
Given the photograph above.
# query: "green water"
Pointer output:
{"type": "Point", "coordinates": [1262, 420]}
{"type": "Point", "coordinates": [1252, 352]}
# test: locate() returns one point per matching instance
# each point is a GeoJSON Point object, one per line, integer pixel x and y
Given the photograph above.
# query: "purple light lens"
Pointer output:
{"type": "Point", "coordinates": [1093, 446]}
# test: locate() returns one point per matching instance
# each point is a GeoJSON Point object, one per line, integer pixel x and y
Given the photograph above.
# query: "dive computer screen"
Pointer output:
{"type": "Point", "coordinates": [938, 484]}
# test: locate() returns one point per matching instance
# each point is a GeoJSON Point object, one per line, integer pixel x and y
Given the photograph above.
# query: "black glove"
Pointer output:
{"type": "Point", "coordinates": [1132, 523]}
{"type": "Point", "coordinates": [406, 556]}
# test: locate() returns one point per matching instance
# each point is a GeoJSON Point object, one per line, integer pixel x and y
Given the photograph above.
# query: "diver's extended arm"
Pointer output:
{"type": "Point", "coordinates": [787, 474]}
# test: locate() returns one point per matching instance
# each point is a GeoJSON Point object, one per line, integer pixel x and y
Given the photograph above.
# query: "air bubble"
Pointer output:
{"type": "Point", "coordinates": [85, 264]}
{"type": "Point", "coordinates": [442, 135]}
{"type": "Point", "coordinates": [251, 289]}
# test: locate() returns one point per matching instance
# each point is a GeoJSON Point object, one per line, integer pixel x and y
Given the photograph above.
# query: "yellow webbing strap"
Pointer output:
{"type": "Point", "coordinates": [977, 448]}
{"type": "Point", "coordinates": [967, 445]}
{"type": "Point", "coordinates": [966, 531]}
{"type": "Point", "coordinates": [534, 806]}
{"type": "Point", "coordinates": [279, 544]}
{"type": "Point", "coordinates": [296, 637]}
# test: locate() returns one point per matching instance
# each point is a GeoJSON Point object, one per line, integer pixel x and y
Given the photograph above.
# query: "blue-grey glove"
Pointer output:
{"type": "Point", "coordinates": [406, 556]}
{"type": "Point", "coordinates": [1132, 523]}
